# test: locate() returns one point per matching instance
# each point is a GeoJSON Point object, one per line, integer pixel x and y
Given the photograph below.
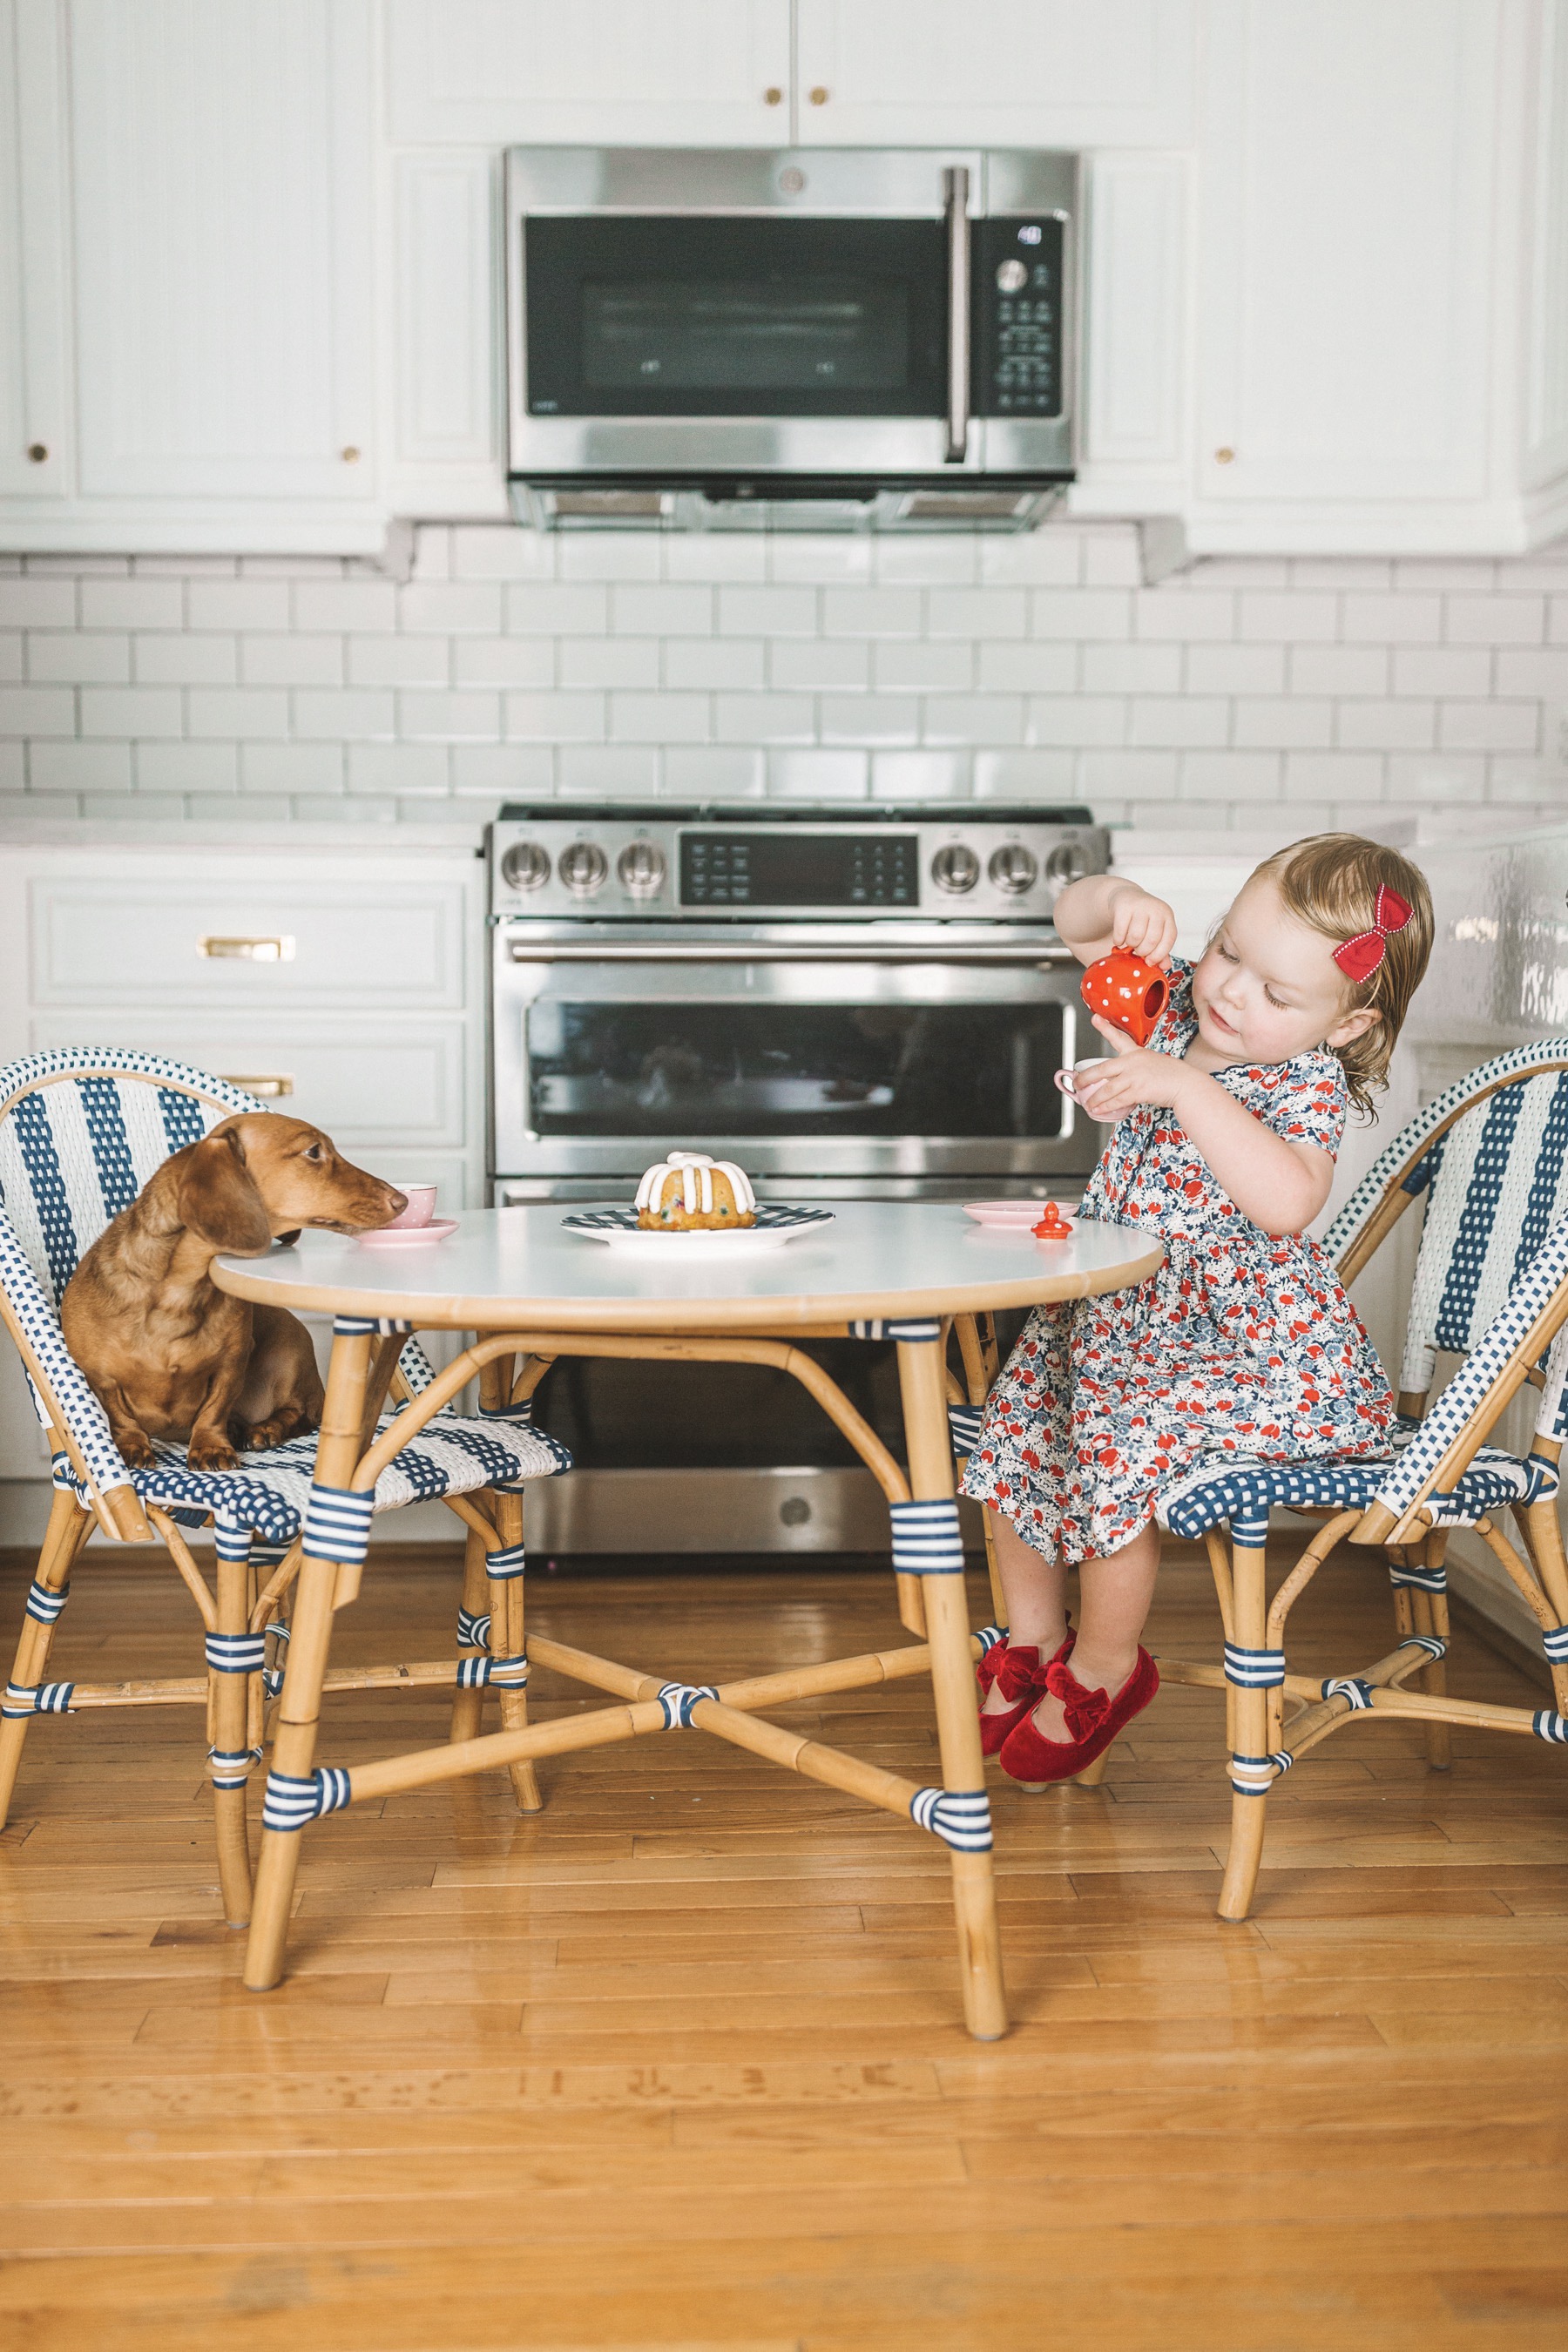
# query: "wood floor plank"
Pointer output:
{"type": "Point", "coordinates": [677, 2064]}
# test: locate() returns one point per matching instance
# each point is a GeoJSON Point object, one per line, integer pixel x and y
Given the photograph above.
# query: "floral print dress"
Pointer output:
{"type": "Point", "coordinates": [1242, 1344]}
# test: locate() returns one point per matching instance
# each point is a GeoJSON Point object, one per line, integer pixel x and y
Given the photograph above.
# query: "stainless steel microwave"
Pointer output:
{"type": "Point", "coordinates": [724, 338]}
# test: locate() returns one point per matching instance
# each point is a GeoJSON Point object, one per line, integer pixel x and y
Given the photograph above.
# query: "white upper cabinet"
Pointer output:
{"type": "Point", "coordinates": [999, 73]}
{"type": "Point", "coordinates": [595, 73]}
{"type": "Point", "coordinates": [1349, 311]}
{"type": "Point", "coordinates": [223, 191]}
{"type": "Point", "coordinates": [35, 397]}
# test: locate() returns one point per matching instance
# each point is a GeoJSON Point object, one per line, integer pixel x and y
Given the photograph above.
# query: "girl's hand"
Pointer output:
{"type": "Point", "coordinates": [1136, 1075]}
{"type": "Point", "coordinates": [1142, 924]}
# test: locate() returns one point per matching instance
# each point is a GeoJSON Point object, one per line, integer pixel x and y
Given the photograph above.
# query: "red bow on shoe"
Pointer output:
{"type": "Point", "coordinates": [1021, 1673]}
{"type": "Point", "coordinates": [1085, 1710]}
{"type": "Point", "coordinates": [1360, 956]}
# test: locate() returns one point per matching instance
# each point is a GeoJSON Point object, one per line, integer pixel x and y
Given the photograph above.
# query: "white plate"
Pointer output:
{"type": "Point", "coordinates": [776, 1225]}
{"type": "Point", "coordinates": [1014, 1216]}
{"type": "Point", "coordinates": [408, 1236]}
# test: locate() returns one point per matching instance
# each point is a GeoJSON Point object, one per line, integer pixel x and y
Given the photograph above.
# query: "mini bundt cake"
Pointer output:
{"type": "Point", "coordinates": [689, 1193]}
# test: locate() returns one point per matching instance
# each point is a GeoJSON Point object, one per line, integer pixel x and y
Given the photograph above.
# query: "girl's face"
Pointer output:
{"type": "Point", "coordinates": [1268, 986]}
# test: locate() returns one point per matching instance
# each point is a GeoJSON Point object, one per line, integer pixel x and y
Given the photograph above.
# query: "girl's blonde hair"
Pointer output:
{"type": "Point", "coordinates": [1330, 881]}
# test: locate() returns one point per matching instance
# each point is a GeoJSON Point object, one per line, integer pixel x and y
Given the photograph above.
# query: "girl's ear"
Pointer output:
{"type": "Point", "coordinates": [1354, 1024]}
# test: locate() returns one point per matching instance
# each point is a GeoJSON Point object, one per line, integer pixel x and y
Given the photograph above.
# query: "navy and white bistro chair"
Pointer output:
{"type": "Point", "coordinates": [82, 1130]}
{"type": "Point", "coordinates": [1489, 1159]}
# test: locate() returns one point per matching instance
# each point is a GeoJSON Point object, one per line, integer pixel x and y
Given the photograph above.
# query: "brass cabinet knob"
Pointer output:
{"type": "Point", "coordinates": [1224, 457]}
{"type": "Point", "coordinates": [819, 96]}
{"type": "Point", "coordinates": [38, 452]}
{"type": "Point", "coordinates": [772, 98]}
{"type": "Point", "coordinates": [351, 456]}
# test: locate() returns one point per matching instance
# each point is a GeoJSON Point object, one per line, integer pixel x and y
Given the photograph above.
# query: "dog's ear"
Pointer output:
{"type": "Point", "coordinates": [217, 1195]}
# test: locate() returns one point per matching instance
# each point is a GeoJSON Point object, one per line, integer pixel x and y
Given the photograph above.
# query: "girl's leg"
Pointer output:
{"type": "Point", "coordinates": [1036, 1591]}
{"type": "Point", "coordinates": [1115, 1596]}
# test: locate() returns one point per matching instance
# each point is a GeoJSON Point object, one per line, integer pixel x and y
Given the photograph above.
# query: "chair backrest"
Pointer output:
{"type": "Point", "coordinates": [81, 1129]}
{"type": "Point", "coordinates": [1490, 1155]}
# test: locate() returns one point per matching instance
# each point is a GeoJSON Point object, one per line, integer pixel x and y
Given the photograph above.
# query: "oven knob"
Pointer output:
{"type": "Point", "coordinates": [1013, 276]}
{"type": "Point", "coordinates": [641, 868]}
{"type": "Point", "coordinates": [1013, 868]}
{"type": "Point", "coordinates": [525, 865]}
{"type": "Point", "coordinates": [955, 867]}
{"type": "Point", "coordinates": [582, 867]}
{"type": "Point", "coordinates": [1068, 862]}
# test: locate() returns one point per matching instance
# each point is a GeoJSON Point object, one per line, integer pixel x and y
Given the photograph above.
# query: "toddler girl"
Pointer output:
{"type": "Point", "coordinates": [1243, 1342]}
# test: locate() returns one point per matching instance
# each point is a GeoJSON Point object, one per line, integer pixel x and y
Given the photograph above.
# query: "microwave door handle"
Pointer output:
{"type": "Point", "coordinates": [955, 184]}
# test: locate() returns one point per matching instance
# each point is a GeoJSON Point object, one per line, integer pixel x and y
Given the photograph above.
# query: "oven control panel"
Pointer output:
{"type": "Point", "coordinates": [656, 863]}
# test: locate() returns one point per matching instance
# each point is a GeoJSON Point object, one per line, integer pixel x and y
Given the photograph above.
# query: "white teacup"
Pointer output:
{"type": "Point", "coordinates": [1082, 1074]}
{"type": "Point", "coordinates": [421, 1199]}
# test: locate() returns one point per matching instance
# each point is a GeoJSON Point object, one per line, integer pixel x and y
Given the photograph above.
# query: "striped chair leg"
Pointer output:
{"type": "Point", "coordinates": [508, 1641]}
{"type": "Point", "coordinates": [468, 1706]}
{"type": "Point", "coordinates": [228, 1731]}
{"type": "Point", "coordinates": [68, 1531]}
{"type": "Point", "coordinates": [1249, 1714]}
{"type": "Point", "coordinates": [1431, 1615]}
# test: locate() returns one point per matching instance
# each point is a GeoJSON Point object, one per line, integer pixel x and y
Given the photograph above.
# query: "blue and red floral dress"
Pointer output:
{"type": "Point", "coordinates": [1244, 1343]}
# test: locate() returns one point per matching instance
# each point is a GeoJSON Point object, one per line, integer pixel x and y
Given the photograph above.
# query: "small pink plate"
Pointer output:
{"type": "Point", "coordinates": [1015, 1216]}
{"type": "Point", "coordinates": [408, 1236]}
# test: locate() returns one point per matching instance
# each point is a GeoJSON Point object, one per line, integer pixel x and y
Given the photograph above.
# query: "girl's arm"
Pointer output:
{"type": "Point", "coordinates": [1105, 911]}
{"type": "Point", "coordinates": [1280, 1185]}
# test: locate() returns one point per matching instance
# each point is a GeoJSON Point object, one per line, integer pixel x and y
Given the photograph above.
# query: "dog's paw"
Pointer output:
{"type": "Point", "coordinates": [212, 1453]}
{"type": "Point", "coordinates": [136, 1450]}
{"type": "Point", "coordinates": [259, 1439]}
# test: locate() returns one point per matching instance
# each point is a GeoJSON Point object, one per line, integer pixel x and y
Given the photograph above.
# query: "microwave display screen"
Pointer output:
{"type": "Point", "coordinates": [761, 334]}
{"type": "Point", "coordinates": [650, 314]}
{"type": "Point", "coordinates": [798, 869]}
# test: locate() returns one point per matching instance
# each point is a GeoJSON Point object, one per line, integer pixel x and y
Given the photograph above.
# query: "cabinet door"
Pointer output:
{"type": "Point", "coordinates": [1347, 219]}
{"type": "Point", "coordinates": [33, 382]}
{"type": "Point", "coordinates": [1031, 73]}
{"type": "Point", "coordinates": [597, 73]}
{"type": "Point", "coordinates": [223, 195]}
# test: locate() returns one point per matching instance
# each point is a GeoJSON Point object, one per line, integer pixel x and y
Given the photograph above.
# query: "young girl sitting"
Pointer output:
{"type": "Point", "coordinates": [1244, 1342]}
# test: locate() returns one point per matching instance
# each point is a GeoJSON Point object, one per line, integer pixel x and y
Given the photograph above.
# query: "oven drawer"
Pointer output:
{"type": "Point", "coordinates": [184, 940]}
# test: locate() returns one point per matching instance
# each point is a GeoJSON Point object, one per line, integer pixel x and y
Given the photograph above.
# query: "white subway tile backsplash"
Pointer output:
{"type": "Point", "coordinates": [297, 661]}
{"type": "Point", "coordinates": [733, 665]}
{"type": "Point", "coordinates": [130, 710]}
{"type": "Point", "coordinates": [608, 661]}
{"type": "Point", "coordinates": [811, 662]}
{"type": "Point", "coordinates": [186, 661]}
{"type": "Point", "coordinates": [78, 658]}
{"type": "Point", "coordinates": [363, 604]}
{"type": "Point", "coordinates": [737, 663]}
{"type": "Point", "coordinates": [220, 605]}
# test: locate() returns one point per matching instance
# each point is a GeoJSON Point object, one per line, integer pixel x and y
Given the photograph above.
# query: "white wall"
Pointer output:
{"type": "Point", "coordinates": [1239, 695]}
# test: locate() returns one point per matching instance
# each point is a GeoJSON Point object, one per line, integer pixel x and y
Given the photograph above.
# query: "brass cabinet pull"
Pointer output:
{"type": "Point", "coordinates": [278, 1083]}
{"type": "Point", "coordinates": [277, 951]}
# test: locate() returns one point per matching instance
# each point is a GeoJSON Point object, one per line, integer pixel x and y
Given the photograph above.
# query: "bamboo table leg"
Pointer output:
{"type": "Point", "coordinates": [294, 1739]}
{"type": "Point", "coordinates": [952, 1684]}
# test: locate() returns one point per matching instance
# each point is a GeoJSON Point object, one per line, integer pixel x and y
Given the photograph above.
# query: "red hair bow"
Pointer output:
{"type": "Point", "coordinates": [1360, 956]}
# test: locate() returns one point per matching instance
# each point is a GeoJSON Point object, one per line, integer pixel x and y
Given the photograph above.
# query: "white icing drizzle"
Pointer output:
{"type": "Point", "coordinates": [695, 1171]}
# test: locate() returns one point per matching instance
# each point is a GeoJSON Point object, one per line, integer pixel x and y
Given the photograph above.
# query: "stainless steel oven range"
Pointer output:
{"type": "Point", "coordinates": [853, 1003]}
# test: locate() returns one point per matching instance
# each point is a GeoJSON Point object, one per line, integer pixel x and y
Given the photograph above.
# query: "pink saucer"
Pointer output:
{"type": "Point", "coordinates": [408, 1236]}
{"type": "Point", "coordinates": [1014, 1216]}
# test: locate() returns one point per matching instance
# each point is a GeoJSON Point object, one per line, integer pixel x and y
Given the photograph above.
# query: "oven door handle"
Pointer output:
{"type": "Point", "coordinates": [955, 185]}
{"type": "Point", "coordinates": [723, 952]}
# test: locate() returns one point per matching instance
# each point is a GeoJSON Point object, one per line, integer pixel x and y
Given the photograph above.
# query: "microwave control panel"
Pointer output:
{"type": "Point", "coordinates": [1019, 313]}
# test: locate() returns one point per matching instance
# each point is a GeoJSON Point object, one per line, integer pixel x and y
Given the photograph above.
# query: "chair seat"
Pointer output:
{"type": "Point", "coordinates": [269, 1493]}
{"type": "Point", "coordinates": [1242, 1491]}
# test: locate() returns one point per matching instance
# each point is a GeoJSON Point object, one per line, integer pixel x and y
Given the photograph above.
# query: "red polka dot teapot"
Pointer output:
{"type": "Point", "coordinates": [1128, 993]}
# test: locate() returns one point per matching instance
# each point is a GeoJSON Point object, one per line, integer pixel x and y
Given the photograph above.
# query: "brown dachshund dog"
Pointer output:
{"type": "Point", "coordinates": [170, 1355]}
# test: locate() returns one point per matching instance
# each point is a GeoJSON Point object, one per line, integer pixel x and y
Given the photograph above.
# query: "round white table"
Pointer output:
{"type": "Point", "coordinates": [531, 1290]}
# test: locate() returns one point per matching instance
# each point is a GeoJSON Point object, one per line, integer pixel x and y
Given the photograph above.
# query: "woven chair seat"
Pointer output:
{"type": "Point", "coordinates": [268, 1494]}
{"type": "Point", "coordinates": [1240, 1494]}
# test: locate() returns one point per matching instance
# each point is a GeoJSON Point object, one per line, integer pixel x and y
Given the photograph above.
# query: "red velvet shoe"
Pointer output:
{"type": "Point", "coordinates": [1020, 1674]}
{"type": "Point", "coordinates": [1093, 1720]}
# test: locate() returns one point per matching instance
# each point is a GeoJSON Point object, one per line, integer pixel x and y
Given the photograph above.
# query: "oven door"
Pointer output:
{"type": "Point", "coordinates": [817, 1075]}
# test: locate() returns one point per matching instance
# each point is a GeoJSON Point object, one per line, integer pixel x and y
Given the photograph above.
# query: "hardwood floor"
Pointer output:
{"type": "Point", "coordinates": [679, 2062]}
